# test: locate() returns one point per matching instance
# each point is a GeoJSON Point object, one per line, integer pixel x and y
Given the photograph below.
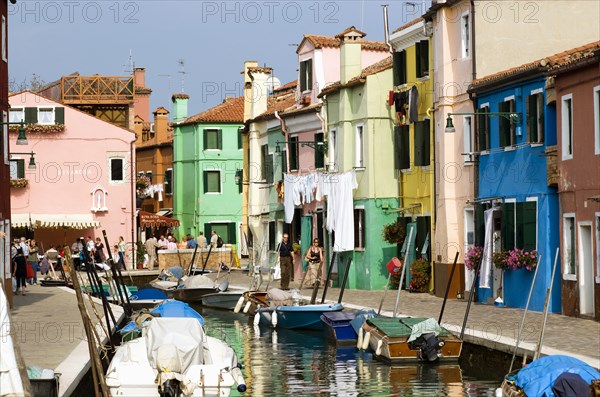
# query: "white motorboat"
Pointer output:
{"type": "Point", "coordinates": [174, 358]}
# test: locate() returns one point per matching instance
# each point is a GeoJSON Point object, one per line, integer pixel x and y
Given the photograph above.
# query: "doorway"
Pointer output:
{"type": "Point", "coordinates": [586, 270]}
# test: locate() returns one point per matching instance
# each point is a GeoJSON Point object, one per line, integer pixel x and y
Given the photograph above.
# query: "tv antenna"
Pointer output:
{"type": "Point", "coordinates": [130, 66]}
{"type": "Point", "coordinates": [182, 72]}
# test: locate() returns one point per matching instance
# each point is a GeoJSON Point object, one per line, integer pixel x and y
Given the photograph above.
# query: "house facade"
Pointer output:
{"type": "Point", "coordinates": [577, 94]}
{"type": "Point", "coordinates": [208, 155]}
{"type": "Point", "coordinates": [516, 206]}
{"type": "Point", "coordinates": [73, 158]}
{"type": "Point", "coordinates": [413, 138]}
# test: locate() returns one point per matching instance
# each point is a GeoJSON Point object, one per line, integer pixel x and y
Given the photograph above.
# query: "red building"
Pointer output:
{"type": "Point", "coordinates": [577, 87]}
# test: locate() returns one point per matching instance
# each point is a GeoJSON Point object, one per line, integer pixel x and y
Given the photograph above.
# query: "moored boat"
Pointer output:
{"type": "Point", "coordinates": [343, 327]}
{"type": "Point", "coordinates": [194, 288]}
{"type": "Point", "coordinates": [223, 300]}
{"type": "Point", "coordinates": [411, 339]}
{"type": "Point", "coordinates": [297, 316]}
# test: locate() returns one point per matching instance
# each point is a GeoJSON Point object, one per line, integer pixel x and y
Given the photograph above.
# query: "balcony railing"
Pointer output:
{"type": "Point", "coordinates": [97, 89]}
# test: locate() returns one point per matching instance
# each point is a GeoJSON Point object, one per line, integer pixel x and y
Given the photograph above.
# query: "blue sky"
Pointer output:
{"type": "Point", "coordinates": [213, 38]}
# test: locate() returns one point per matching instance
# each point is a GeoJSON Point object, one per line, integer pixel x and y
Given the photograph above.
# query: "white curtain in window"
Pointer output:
{"type": "Point", "coordinates": [16, 116]}
{"type": "Point", "coordinates": [46, 116]}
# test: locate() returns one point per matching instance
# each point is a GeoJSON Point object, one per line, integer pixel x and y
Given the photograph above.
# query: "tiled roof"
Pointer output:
{"type": "Point", "coordinates": [411, 23]}
{"type": "Point", "coordinates": [327, 41]}
{"type": "Point", "coordinates": [436, 5]}
{"type": "Point", "coordinates": [161, 109]}
{"type": "Point", "coordinates": [277, 103]}
{"type": "Point", "coordinates": [180, 96]}
{"type": "Point", "coordinates": [360, 79]}
{"type": "Point", "coordinates": [306, 109]}
{"type": "Point", "coordinates": [260, 69]}
{"type": "Point", "coordinates": [230, 111]}
{"type": "Point", "coordinates": [140, 89]}
{"type": "Point", "coordinates": [348, 30]}
{"type": "Point", "coordinates": [556, 61]}
{"type": "Point", "coordinates": [288, 86]}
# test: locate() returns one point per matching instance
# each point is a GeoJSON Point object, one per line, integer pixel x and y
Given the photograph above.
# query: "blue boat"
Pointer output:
{"type": "Point", "coordinates": [169, 308]}
{"type": "Point", "coordinates": [342, 327]}
{"type": "Point", "coordinates": [299, 317]}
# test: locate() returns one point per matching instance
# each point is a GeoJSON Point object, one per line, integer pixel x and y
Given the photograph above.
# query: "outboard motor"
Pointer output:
{"type": "Point", "coordinates": [429, 347]}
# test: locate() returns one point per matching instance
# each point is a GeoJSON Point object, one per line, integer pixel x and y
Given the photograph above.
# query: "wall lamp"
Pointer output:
{"type": "Point", "coordinates": [319, 146]}
{"type": "Point", "coordinates": [513, 117]}
{"type": "Point", "coordinates": [32, 165]}
{"type": "Point", "coordinates": [21, 139]}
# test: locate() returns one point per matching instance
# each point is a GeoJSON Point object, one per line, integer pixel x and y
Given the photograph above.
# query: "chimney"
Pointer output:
{"type": "Point", "coordinates": [350, 53]}
{"type": "Point", "coordinates": [255, 89]}
{"type": "Point", "coordinates": [138, 125]}
{"type": "Point", "coordinates": [161, 124]}
{"type": "Point", "coordinates": [180, 107]}
{"type": "Point", "coordinates": [139, 75]}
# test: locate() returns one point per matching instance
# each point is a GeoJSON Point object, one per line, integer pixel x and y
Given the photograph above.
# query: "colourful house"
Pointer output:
{"type": "Point", "coordinates": [207, 162]}
{"type": "Point", "coordinates": [413, 137]}
{"type": "Point", "coordinates": [516, 206]}
{"type": "Point", "coordinates": [72, 158]}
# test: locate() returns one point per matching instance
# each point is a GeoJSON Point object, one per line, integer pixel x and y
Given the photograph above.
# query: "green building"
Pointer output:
{"type": "Point", "coordinates": [207, 163]}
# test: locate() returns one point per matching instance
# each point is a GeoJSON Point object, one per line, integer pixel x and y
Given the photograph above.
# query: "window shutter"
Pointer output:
{"type": "Point", "coordinates": [422, 140]}
{"type": "Point", "coordinates": [424, 58]}
{"type": "Point", "coordinates": [271, 236]}
{"type": "Point", "coordinates": [527, 225]}
{"type": "Point", "coordinates": [239, 138]}
{"type": "Point", "coordinates": [503, 129]}
{"type": "Point", "coordinates": [309, 74]}
{"type": "Point", "coordinates": [269, 168]}
{"type": "Point", "coordinates": [219, 139]}
{"type": "Point", "coordinates": [508, 226]}
{"type": "Point", "coordinates": [404, 147]}
{"type": "Point", "coordinates": [31, 115]}
{"type": "Point", "coordinates": [207, 230]}
{"type": "Point", "coordinates": [59, 115]}
{"type": "Point", "coordinates": [479, 225]}
{"type": "Point", "coordinates": [204, 139]}
{"type": "Point", "coordinates": [423, 230]}
{"type": "Point", "coordinates": [231, 233]}
{"type": "Point", "coordinates": [399, 63]}
{"type": "Point", "coordinates": [397, 153]}
{"type": "Point", "coordinates": [396, 67]}
{"type": "Point", "coordinates": [205, 180]}
{"type": "Point", "coordinates": [20, 168]}
{"type": "Point", "coordinates": [294, 153]}
{"type": "Point", "coordinates": [418, 59]}
{"type": "Point", "coordinates": [169, 182]}
{"type": "Point", "coordinates": [482, 128]}
{"type": "Point", "coordinates": [532, 120]}
{"type": "Point", "coordinates": [303, 76]}
{"type": "Point", "coordinates": [283, 163]}
{"type": "Point", "coordinates": [540, 114]}
{"type": "Point", "coordinates": [319, 154]}
{"type": "Point", "coordinates": [264, 153]}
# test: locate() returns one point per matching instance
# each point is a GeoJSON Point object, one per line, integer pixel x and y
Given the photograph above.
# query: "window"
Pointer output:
{"type": "Point", "coordinates": [359, 147]}
{"type": "Point", "coordinates": [4, 40]}
{"type": "Point", "coordinates": [149, 175]}
{"type": "Point", "coordinates": [468, 140]}
{"type": "Point", "coordinates": [306, 75]}
{"type": "Point", "coordinates": [169, 181]}
{"type": "Point", "coordinates": [117, 167]}
{"type": "Point", "coordinates": [293, 145]}
{"type": "Point", "coordinates": [597, 122]}
{"type": "Point", "coordinates": [464, 34]}
{"type": "Point", "coordinates": [526, 216]}
{"type": "Point", "coordinates": [483, 128]}
{"type": "Point", "coordinates": [359, 228]}
{"type": "Point", "coordinates": [567, 126]}
{"type": "Point", "coordinates": [226, 230]}
{"type": "Point", "coordinates": [399, 64]}
{"type": "Point", "coordinates": [401, 147]}
{"type": "Point", "coordinates": [508, 225]}
{"type": "Point", "coordinates": [17, 168]}
{"type": "Point", "coordinates": [283, 163]}
{"type": "Point", "coordinates": [569, 246]}
{"type": "Point", "coordinates": [469, 228]}
{"type": "Point", "coordinates": [422, 143]}
{"type": "Point", "coordinates": [213, 139]}
{"type": "Point", "coordinates": [267, 164]}
{"type": "Point", "coordinates": [17, 115]}
{"type": "Point", "coordinates": [240, 138]}
{"type": "Point", "coordinates": [45, 116]}
{"type": "Point", "coordinates": [319, 153]}
{"type": "Point", "coordinates": [212, 181]}
{"type": "Point", "coordinates": [272, 236]}
{"type": "Point", "coordinates": [535, 118]}
{"type": "Point", "coordinates": [506, 128]}
{"type": "Point", "coordinates": [331, 151]}
{"type": "Point", "coordinates": [422, 58]}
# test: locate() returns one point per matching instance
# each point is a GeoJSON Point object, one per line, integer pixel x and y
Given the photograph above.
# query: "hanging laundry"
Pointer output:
{"type": "Point", "coordinates": [413, 105]}
{"type": "Point", "coordinates": [288, 197]}
{"type": "Point", "coordinates": [391, 98]}
{"type": "Point", "coordinates": [340, 208]}
{"type": "Point", "coordinates": [401, 102]}
{"type": "Point", "coordinates": [159, 190]}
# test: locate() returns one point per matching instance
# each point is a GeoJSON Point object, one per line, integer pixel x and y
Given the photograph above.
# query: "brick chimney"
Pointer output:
{"type": "Point", "coordinates": [180, 107]}
{"type": "Point", "coordinates": [139, 75]}
{"type": "Point", "coordinates": [161, 124]}
{"type": "Point", "coordinates": [350, 53]}
{"type": "Point", "coordinates": [255, 89]}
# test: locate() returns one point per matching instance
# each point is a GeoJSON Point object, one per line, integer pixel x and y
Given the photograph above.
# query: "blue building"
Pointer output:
{"type": "Point", "coordinates": [516, 207]}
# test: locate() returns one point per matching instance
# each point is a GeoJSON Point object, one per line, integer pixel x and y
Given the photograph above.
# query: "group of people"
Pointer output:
{"type": "Point", "coordinates": [24, 263]}
{"type": "Point", "coordinates": [153, 244]}
{"type": "Point", "coordinates": [94, 249]}
{"type": "Point", "coordinates": [313, 256]}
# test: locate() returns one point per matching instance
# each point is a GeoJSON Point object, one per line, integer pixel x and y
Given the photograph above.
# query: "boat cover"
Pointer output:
{"type": "Point", "coordinates": [148, 293]}
{"type": "Point", "coordinates": [198, 281]}
{"type": "Point", "coordinates": [537, 378]}
{"type": "Point", "coordinates": [185, 334]}
{"type": "Point", "coordinates": [169, 309]}
{"type": "Point", "coordinates": [312, 308]}
{"type": "Point", "coordinates": [361, 317]}
{"type": "Point", "coordinates": [400, 327]}
{"type": "Point", "coordinates": [425, 327]}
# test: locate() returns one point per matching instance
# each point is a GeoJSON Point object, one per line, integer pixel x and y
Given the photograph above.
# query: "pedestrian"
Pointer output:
{"type": "Point", "coordinates": [33, 260]}
{"type": "Point", "coordinates": [121, 247]}
{"type": "Point", "coordinates": [183, 243]}
{"type": "Point", "coordinates": [99, 256]}
{"type": "Point", "coordinates": [24, 244]}
{"type": "Point", "coordinates": [201, 240]}
{"type": "Point", "coordinates": [20, 271]}
{"type": "Point", "coordinates": [44, 266]}
{"type": "Point", "coordinates": [171, 245]}
{"type": "Point", "coordinates": [151, 245]}
{"type": "Point", "coordinates": [191, 242]}
{"type": "Point", "coordinates": [286, 259]}
{"type": "Point", "coordinates": [213, 239]}
{"type": "Point", "coordinates": [314, 259]}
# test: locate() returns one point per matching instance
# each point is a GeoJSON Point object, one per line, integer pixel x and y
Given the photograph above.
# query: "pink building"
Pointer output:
{"type": "Point", "coordinates": [81, 183]}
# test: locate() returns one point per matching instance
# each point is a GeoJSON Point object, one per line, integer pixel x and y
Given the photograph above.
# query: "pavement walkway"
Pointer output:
{"type": "Point", "coordinates": [488, 325]}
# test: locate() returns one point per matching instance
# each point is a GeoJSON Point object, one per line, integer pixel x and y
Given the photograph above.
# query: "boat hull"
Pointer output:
{"type": "Point", "coordinates": [192, 295]}
{"type": "Point", "coordinates": [338, 328]}
{"type": "Point", "coordinates": [299, 317]}
{"type": "Point", "coordinates": [222, 300]}
{"type": "Point", "coordinates": [396, 349]}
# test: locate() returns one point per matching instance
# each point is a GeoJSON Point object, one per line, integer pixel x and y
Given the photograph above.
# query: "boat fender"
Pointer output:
{"type": "Point", "coordinates": [366, 340]}
{"type": "Point", "coordinates": [274, 319]}
{"type": "Point", "coordinates": [379, 346]}
{"type": "Point", "coordinates": [360, 339]}
{"type": "Point", "coordinates": [498, 392]}
{"type": "Point", "coordinates": [238, 305]}
{"type": "Point", "coordinates": [247, 307]}
{"type": "Point", "coordinates": [236, 373]}
{"type": "Point", "coordinates": [256, 318]}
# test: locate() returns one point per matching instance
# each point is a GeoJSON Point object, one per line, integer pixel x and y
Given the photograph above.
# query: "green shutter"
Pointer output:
{"type": "Point", "coordinates": [59, 115]}
{"type": "Point", "coordinates": [508, 226]}
{"type": "Point", "coordinates": [418, 59]}
{"type": "Point", "coordinates": [294, 153]}
{"type": "Point", "coordinates": [205, 180]}
{"type": "Point", "coordinates": [482, 128]}
{"type": "Point", "coordinates": [396, 68]}
{"type": "Point", "coordinates": [219, 139]}
{"type": "Point", "coordinates": [504, 126]}
{"type": "Point", "coordinates": [271, 236]}
{"type": "Point", "coordinates": [309, 76]}
{"type": "Point", "coordinates": [540, 115]}
{"type": "Point", "coordinates": [207, 230]}
{"type": "Point", "coordinates": [303, 76]}
{"type": "Point", "coordinates": [399, 63]}
{"type": "Point", "coordinates": [526, 225]}
{"type": "Point", "coordinates": [404, 147]}
{"type": "Point", "coordinates": [204, 139]}
{"type": "Point", "coordinates": [231, 233]}
{"type": "Point", "coordinates": [20, 168]}
{"type": "Point", "coordinates": [319, 154]}
{"type": "Point", "coordinates": [532, 118]}
{"type": "Point", "coordinates": [31, 115]}
{"type": "Point", "coordinates": [239, 138]}
{"type": "Point", "coordinates": [424, 58]}
{"type": "Point", "coordinates": [479, 225]}
{"type": "Point", "coordinates": [422, 141]}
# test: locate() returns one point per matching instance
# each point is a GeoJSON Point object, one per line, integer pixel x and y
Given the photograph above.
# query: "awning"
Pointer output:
{"type": "Point", "coordinates": [20, 220]}
{"type": "Point", "coordinates": [70, 221]}
{"type": "Point", "coordinates": [148, 219]}
{"type": "Point", "coordinates": [165, 212]}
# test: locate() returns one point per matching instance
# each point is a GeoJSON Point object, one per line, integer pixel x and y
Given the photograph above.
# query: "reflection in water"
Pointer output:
{"type": "Point", "coordinates": [302, 363]}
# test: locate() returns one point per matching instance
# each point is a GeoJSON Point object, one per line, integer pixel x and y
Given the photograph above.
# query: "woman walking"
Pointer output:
{"type": "Point", "coordinates": [314, 257]}
{"type": "Point", "coordinates": [121, 246]}
{"type": "Point", "coordinates": [20, 271]}
{"type": "Point", "coordinates": [33, 260]}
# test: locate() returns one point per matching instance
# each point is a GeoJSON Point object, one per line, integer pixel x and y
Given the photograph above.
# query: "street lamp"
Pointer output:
{"type": "Point", "coordinates": [31, 165]}
{"type": "Point", "coordinates": [21, 139]}
{"type": "Point", "coordinates": [513, 117]}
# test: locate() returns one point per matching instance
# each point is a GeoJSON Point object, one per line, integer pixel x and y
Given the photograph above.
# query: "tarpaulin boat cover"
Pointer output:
{"type": "Point", "coordinates": [169, 309]}
{"type": "Point", "coordinates": [537, 378]}
{"type": "Point", "coordinates": [198, 281]}
{"type": "Point", "coordinates": [361, 317]}
{"type": "Point", "coordinates": [425, 327]}
{"type": "Point", "coordinates": [185, 334]}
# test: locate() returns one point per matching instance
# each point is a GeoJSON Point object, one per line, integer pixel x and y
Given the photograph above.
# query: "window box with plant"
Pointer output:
{"type": "Point", "coordinates": [473, 257]}
{"type": "Point", "coordinates": [420, 272]}
{"type": "Point", "coordinates": [394, 232]}
{"type": "Point", "coordinates": [19, 182]}
{"type": "Point", "coordinates": [141, 184]}
{"type": "Point", "coordinates": [39, 128]}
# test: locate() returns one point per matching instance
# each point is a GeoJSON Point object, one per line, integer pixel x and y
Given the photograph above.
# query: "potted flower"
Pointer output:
{"type": "Point", "coordinates": [519, 259]}
{"type": "Point", "coordinates": [394, 232]}
{"type": "Point", "coordinates": [18, 183]}
{"type": "Point", "coordinates": [499, 259]}
{"type": "Point", "coordinates": [473, 257]}
{"type": "Point", "coordinates": [420, 271]}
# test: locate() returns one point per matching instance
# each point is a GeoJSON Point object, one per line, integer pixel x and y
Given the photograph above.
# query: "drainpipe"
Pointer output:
{"type": "Point", "coordinates": [386, 29]}
{"type": "Point", "coordinates": [473, 57]}
{"type": "Point", "coordinates": [133, 206]}
{"type": "Point", "coordinates": [285, 135]}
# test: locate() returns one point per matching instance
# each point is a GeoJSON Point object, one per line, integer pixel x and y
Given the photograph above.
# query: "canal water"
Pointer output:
{"type": "Point", "coordinates": [304, 363]}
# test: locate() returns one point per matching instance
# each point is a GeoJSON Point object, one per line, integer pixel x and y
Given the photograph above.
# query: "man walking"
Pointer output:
{"type": "Point", "coordinates": [286, 259]}
{"type": "Point", "coordinates": [151, 245]}
{"type": "Point", "coordinates": [201, 240]}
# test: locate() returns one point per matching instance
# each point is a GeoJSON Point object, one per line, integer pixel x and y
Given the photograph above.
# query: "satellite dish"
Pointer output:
{"type": "Point", "coordinates": [273, 83]}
